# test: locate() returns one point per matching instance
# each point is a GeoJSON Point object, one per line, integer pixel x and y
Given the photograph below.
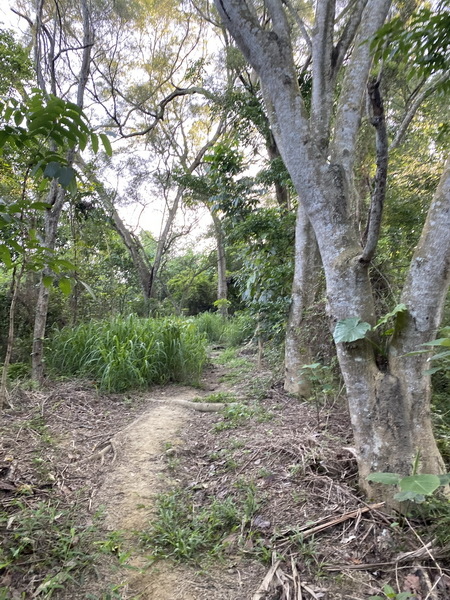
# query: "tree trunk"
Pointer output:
{"type": "Point", "coordinates": [389, 403]}
{"type": "Point", "coordinates": [56, 198]}
{"type": "Point", "coordinates": [304, 290]}
{"type": "Point", "coordinates": [221, 266]}
{"type": "Point", "coordinates": [10, 342]}
{"type": "Point", "coordinates": [56, 195]}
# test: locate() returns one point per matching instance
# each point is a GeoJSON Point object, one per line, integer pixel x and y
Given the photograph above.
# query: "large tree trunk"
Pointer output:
{"type": "Point", "coordinates": [389, 403]}
{"type": "Point", "coordinates": [304, 290]}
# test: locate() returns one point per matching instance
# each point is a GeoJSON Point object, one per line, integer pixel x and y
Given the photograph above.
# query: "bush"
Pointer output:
{"type": "Point", "coordinates": [126, 353]}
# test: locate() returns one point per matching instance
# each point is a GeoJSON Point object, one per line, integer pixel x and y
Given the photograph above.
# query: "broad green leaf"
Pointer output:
{"type": "Point", "coordinates": [440, 355]}
{"type": "Point", "coordinates": [65, 285]}
{"type": "Point", "coordinates": [432, 371]}
{"type": "Point", "coordinates": [420, 484]}
{"type": "Point", "coordinates": [400, 308]}
{"type": "Point", "coordinates": [65, 176]}
{"type": "Point", "coordinates": [47, 280]}
{"type": "Point", "coordinates": [5, 256]}
{"type": "Point", "coordinates": [106, 143]}
{"type": "Point", "coordinates": [52, 170]}
{"type": "Point", "coordinates": [440, 342]}
{"type": "Point", "coordinates": [409, 496]}
{"type": "Point", "coordinates": [386, 478]}
{"type": "Point", "coordinates": [94, 142]}
{"type": "Point", "coordinates": [350, 330]}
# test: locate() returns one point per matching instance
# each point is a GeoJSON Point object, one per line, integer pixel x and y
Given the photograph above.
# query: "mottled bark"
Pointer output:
{"type": "Point", "coordinates": [304, 290]}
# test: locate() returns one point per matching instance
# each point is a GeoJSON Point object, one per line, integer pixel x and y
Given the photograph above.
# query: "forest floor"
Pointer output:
{"type": "Point", "coordinates": [82, 473]}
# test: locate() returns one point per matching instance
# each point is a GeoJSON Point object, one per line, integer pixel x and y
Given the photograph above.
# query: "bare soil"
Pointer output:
{"type": "Point", "coordinates": [116, 453]}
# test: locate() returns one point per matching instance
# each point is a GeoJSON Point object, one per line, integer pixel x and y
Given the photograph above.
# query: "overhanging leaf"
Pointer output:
{"type": "Point", "coordinates": [65, 176]}
{"type": "Point", "coordinates": [424, 484]}
{"type": "Point", "coordinates": [411, 496]}
{"type": "Point", "coordinates": [65, 285]}
{"type": "Point", "coordinates": [52, 170]}
{"type": "Point", "coordinates": [106, 144]}
{"type": "Point", "coordinates": [350, 330]}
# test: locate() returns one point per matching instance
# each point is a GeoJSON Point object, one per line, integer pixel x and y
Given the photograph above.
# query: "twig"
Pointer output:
{"type": "Point", "coordinates": [260, 593]}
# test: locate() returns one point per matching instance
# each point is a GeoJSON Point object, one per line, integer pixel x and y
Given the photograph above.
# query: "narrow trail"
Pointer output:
{"type": "Point", "coordinates": [138, 474]}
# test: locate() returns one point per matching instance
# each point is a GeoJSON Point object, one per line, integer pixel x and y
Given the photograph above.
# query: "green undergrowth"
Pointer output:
{"type": "Point", "coordinates": [45, 543]}
{"type": "Point", "coordinates": [187, 530]}
{"type": "Point", "coordinates": [230, 332]}
{"type": "Point", "coordinates": [217, 397]}
{"type": "Point", "coordinates": [127, 353]}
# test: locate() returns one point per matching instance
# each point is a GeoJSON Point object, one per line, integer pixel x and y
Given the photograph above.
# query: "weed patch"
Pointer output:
{"type": "Point", "coordinates": [48, 540]}
{"type": "Point", "coordinates": [186, 530]}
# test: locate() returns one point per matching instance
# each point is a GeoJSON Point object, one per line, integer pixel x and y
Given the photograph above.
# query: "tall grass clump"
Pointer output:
{"type": "Point", "coordinates": [231, 332]}
{"type": "Point", "coordinates": [126, 353]}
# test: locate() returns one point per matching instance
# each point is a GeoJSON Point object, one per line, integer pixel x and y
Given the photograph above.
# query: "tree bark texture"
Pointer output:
{"type": "Point", "coordinates": [304, 290]}
{"type": "Point", "coordinates": [389, 403]}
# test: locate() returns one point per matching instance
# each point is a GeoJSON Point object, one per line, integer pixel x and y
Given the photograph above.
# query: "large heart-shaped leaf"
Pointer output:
{"type": "Point", "coordinates": [420, 484]}
{"type": "Point", "coordinates": [350, 330]}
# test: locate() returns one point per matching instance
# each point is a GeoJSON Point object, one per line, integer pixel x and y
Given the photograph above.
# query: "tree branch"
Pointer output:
{"type": "Point", "coordinates": [300, 23]}
{"type": "Point", "coordinates": [348, 35]}
{"type": "Point", "coordinates": [322, 71]}
{"type": "Point", "coordinates": [350, 103]}
{"type": "Point", "coordinates": [372, 231]}
{"type": "Point", "coordinates": [409, 115]}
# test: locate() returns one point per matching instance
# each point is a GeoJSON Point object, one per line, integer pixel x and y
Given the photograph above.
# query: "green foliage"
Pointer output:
{"type": "Point", "coordinates": [15, 64]}
{"type": "Point", "coordinates": [414, 487]}
{"type": "Point", "coordinates": [390, 593]}
{"type": "Point", "coordinates": [219, 397]}
{"type": "Point", "coordinates": [422, 42]}
{"type": "Point", "coordinates": [234, 415]}
{"type": "Point", "coordinates": [185, 530]}
{"type": "Point", "coordinates": [350, 330]}
{"type": "Point", "coordinates": [35, 127]}
{"type": "Point", "coordinates": [60, 545]}
{"type": "Point", "coordinates": [231, 332]}
{"type": "Point", "coordinates": [126, 353]}
{"type": "Point", "coordinates": [353, 329]}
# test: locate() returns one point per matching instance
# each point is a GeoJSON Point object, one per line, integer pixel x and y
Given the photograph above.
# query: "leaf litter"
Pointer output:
{"type": "Point", "coordinates": [312, 535]}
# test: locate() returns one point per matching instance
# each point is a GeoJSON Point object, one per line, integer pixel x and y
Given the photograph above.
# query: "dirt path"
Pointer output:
{"type": "Point", "coordinates": [136, 477]}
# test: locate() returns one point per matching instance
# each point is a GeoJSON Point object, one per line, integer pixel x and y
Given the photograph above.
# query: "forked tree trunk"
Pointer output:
{"type": "Point", "coordinates": [389, 403]}
{"type": "Point", "coordinates": [304, 290]}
